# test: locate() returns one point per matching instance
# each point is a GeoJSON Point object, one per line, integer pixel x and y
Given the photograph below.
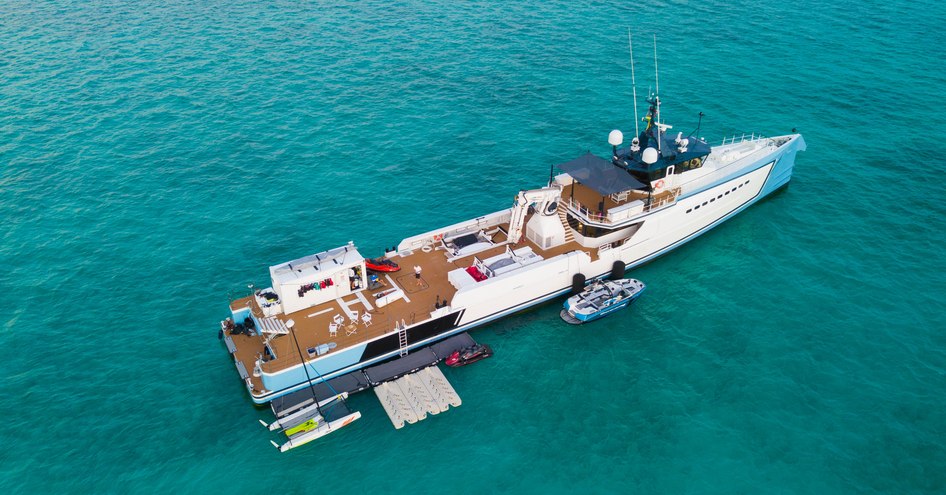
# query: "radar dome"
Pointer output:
{"type": "Point", "coordinates": [650, 156]}
{"type": "Point", "coordinates": [615, 138]}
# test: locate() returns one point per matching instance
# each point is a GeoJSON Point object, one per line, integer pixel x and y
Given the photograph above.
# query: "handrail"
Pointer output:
{"type": "Point", "coordinates": [586, 212]}
{"type": "Point", "coordinates": [743, 138]}
{"type": "Point", "coordinates": [608, 218]}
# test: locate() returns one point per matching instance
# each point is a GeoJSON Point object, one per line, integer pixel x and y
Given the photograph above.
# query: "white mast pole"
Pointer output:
{"type": "Point", "coordinates": [630, 47]}
{"type": "Point", "coordinates": [657, 94]}
{"type": "Point", "coordinates": [656, 72]}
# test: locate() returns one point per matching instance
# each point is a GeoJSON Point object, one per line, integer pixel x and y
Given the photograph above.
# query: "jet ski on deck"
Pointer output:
{"type": "Point", "coordinates": [381, 265]}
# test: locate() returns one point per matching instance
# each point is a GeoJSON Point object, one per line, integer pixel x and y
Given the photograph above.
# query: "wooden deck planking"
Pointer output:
{"type": "Point", "coordinates": [312, 324]}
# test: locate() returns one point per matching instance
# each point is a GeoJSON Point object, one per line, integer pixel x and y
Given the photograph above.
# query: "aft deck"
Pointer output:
{"type": "Point", "coordinates": [311, 325]}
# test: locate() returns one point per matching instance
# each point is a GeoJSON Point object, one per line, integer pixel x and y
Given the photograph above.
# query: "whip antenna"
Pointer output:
{"type": "Point", "coordinates": [630, 47]}
{"type": "Point", "coordinates": [656, 72]}
{"type": "Point", "coordinates": [657, 94]}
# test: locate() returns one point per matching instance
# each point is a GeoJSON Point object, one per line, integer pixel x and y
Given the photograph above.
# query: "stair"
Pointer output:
{"type": "Point", "coordinates": [569, 235]}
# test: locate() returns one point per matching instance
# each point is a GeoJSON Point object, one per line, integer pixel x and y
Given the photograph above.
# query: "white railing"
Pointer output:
{"type": "Point", "coordinates": [743, 138]}
{"type": "Point", "coordinates": [587, 213]}
{"type": "Point", "coordinates": [624, 212]}
{"type": "Point", "coordinates": [725, 164]}
{"type": "Point", "coordinates": [433, 237]}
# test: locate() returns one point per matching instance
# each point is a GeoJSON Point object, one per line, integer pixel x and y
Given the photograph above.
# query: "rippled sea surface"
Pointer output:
{"type": "Point", "coordinates": [159, 156]}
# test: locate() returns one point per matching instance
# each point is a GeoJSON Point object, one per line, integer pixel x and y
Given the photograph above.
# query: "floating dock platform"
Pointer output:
{"type": "Point", "coordinates": [374, 376]}
{"type": "Point", "coordinates": [411, 398]}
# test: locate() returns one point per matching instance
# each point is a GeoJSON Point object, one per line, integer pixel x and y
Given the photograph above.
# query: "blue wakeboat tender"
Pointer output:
{"type": "Point", "coordinates": [601, 299]}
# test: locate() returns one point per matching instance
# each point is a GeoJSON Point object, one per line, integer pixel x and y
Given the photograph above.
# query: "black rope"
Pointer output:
{"type": "Point", "coordinates": [305, 368]}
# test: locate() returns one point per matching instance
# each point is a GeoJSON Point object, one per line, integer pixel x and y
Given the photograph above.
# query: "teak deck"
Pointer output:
{"type": "Point", "coordinates": [312, 324]}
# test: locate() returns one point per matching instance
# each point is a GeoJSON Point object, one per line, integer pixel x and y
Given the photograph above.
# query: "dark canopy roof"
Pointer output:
{"type": "Point", "coordinates": [600, 174]}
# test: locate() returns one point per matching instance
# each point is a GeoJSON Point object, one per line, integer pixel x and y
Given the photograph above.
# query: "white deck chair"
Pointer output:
{"type": "Point", "coordinates": [333, 329]}
{"type": "Point", "coordinates": [366, 318]}
{"type": "Point", "coordinates": [353, 315]}
{"type": "Point", "coordinates": [338, 319]}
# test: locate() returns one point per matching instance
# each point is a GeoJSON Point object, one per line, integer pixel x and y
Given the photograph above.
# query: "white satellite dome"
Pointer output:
{"type": "Point", "coordinates": [615, 138]}
{"type": "Point", "coordinates": [650, 156]}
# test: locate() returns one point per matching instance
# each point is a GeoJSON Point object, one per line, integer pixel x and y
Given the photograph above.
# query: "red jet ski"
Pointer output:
{"type": "Point", "coordinates": [468, 355]}
{"type": "Point", "coordinates": [381, 265]}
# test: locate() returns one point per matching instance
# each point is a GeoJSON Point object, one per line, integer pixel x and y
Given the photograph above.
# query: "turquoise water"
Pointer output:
{"type": "Point", "coordinates": [159, 156]}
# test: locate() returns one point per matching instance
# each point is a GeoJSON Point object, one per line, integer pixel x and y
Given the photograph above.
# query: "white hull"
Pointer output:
{"type": "Point", "coordinates": [736, 180]}
{"type": "Point", "coordinates": [659, 233]}
{"type": "Point", "coordinates": [323, 429]}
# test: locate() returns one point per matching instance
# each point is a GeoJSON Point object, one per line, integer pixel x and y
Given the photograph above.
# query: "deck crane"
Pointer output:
{"type": "Point", "coordinates": [547, 199]}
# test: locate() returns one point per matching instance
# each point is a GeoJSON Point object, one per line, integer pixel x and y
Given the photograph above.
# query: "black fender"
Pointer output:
{"type": "Point", "coordinates": [617, 270]}
{"type": "Point", "coordinates": [578, 283]}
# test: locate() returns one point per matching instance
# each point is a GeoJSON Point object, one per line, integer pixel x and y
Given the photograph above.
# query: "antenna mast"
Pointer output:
{"type": "Point", "coordinates": [657, 93]}
{"type": "Point", "coordinates": [656, 72]}
{"type": "Point", "coordinates": [630, 47]}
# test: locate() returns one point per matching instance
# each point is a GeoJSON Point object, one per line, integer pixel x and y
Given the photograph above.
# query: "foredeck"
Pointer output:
{"type": "Point", "coordinates": [312, 324]}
